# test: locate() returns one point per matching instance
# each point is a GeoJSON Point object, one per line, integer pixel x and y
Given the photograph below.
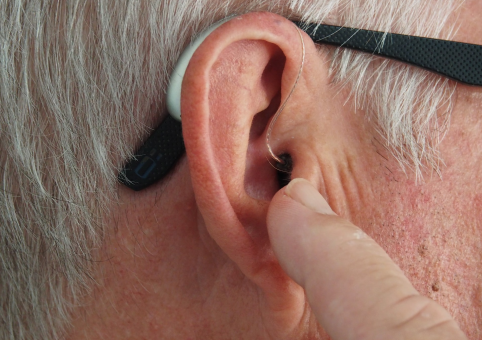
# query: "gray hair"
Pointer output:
{"type": "Point", "coordinates": [81, 84]}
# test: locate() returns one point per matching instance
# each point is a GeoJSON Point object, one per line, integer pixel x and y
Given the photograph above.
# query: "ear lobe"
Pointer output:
{"type": "Point", "coordinates": [232, 87]}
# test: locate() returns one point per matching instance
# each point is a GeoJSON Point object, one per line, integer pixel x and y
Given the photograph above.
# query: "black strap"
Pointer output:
{"type": "Point", "coordinates": [456, 60]}
{"type": "Point", "coordinates": [156, 157]}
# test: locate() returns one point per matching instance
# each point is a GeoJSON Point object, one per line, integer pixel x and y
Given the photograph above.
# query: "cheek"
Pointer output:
{"type": "Point", "coordinates": [434, 236]}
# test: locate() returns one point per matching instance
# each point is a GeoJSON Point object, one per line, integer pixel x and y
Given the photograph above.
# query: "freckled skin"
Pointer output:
{"type": "Point", "coordinates": [163, 275]}
{"type": "Point", "coordinates": [433, 230]}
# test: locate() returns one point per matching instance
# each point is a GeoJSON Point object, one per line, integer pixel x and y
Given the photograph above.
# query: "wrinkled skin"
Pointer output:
{"type": "Point", "coordinates": [190, 257]}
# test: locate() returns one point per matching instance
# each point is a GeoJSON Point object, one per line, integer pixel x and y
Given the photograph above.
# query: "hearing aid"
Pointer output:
{"type": "Point", "coordinates": [177, 75]}
{"type": "Point", "coordinates": [165, 146]}
{"type": "Point", "coordinates": [161, 151]}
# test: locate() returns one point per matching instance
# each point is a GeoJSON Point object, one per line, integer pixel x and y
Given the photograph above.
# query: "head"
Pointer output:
{"type": "Point", "coordinates": [85, 82]}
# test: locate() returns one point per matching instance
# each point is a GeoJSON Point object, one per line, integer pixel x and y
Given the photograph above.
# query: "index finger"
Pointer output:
{"type": "Point", "coordinates": [355, 290]}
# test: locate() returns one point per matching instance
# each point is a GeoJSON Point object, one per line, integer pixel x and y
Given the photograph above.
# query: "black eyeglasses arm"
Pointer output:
{"type": "Point", "coordinates": [455, 60]}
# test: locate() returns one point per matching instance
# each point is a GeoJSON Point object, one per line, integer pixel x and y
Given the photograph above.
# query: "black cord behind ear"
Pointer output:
{"type": "Point", "coordinates": [156, 157]}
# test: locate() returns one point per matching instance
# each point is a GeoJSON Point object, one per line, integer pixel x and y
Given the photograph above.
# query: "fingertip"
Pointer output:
{"type": "Point", "coordinates": [288, 224]}
{"type": "Point", "coordinates": [302, 191]}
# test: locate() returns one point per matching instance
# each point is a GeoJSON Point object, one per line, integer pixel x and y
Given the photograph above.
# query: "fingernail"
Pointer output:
{"type": "Point", "coordinates": [302, 191]}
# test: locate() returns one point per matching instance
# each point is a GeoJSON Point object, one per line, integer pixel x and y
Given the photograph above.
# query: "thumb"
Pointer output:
{"type": "Point", "coordinates": [354, 289]}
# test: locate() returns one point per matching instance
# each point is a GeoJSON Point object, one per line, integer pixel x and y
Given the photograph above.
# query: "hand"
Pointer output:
{"type": "Point", "coordinates": [353, 287]}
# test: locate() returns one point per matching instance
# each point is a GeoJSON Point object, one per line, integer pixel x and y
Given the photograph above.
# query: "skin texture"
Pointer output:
{"type": "Point", "coordinates": [190, 257]}
{"type": "Point", "coordinates": [348, 278]}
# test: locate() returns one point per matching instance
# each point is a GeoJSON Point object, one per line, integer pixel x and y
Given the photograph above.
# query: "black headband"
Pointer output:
{"type": "Point", "coordinates": [459, 61]}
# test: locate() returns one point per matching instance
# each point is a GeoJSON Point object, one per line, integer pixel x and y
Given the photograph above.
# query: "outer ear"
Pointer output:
{"type": "Point", "coordinates": [232, 87]}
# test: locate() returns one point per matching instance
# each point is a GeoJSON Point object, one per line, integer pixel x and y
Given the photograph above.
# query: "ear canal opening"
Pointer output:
{"type": "Point", "coordinates": [284, 170]}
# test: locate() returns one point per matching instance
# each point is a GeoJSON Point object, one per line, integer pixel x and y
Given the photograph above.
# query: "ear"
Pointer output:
{"type": "Point", "coordinates": [233, 85]}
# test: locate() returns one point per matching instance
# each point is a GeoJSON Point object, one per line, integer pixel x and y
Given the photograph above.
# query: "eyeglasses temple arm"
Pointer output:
{"type": "Point", "coordinates": [455, 60]}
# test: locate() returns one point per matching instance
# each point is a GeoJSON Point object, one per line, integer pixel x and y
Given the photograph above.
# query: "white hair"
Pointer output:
{"type": "Point", "coordinates": [82, 82]}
